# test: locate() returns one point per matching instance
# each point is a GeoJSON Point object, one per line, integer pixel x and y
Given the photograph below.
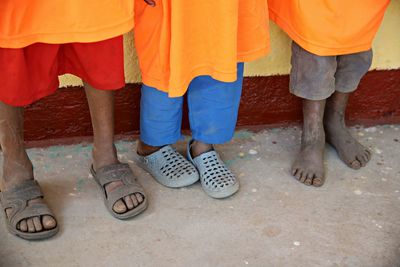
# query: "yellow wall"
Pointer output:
{"type": "Point", "coordinates": [386, 52]}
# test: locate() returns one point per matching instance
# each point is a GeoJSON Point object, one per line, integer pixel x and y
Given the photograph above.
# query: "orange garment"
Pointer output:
{"type": "Point", "coordinates": [329, 27]}
{"type": "Point", "coordinates": [24, 22]}
{"type": "Point", "coordinates": [179, 40]}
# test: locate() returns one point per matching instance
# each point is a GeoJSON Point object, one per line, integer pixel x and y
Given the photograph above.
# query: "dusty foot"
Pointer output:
{"type": "Point", "coordinates": [309, 165]}
{"type": "Point", "coordinates": [16, 172]}
{"type": "Point", "coordinates": [103, 157]}
{"type": "Point", "coordinates": [350, 151]}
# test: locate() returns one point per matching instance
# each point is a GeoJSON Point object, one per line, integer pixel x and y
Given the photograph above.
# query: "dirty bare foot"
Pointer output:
{"type": "Point", "coordinates": [308, 168]}
{"type": "Point", "coordinates": [17, 167]}
{"type": "Point", "coordinates": [350, 151]}
{"type": "Point", "coordinates": [101, 104]}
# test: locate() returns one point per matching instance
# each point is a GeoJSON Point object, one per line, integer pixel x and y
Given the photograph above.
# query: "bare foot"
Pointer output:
{"type": "Point", "coordinates": [350, 151]}
{"type": "Point", "coordinates": [308, 168]}
{"type": "Point", "coordinates": [309, 165]}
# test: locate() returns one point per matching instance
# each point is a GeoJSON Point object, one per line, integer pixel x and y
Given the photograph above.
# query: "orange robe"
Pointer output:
{"type": "Point", "coordinates": [329, 27]}
{"type": "Point", "coordinates": [24, 22]}
{"type": "Point", "coordinates": [179, 40]}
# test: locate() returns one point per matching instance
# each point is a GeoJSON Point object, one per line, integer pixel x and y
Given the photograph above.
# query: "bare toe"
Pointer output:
{"type": "Point", "coordinates": [318, 181]}
{"type": "Point", "coordinates": [355, 165]}
{"type": "Point", "coordinates": [48, 222]}
{"type": "Point", "coordinates": [119, 207]}
{"type": "Point", "coordinates": [303, 177]}
{"type": "Point", "coordinates": [365, 158]}
{"type": "Point", "coordinates": [134, 200]}
{"type": "Point", "coordinates": [31, 226]}
{"type": "Point", "coordinates": [362, 160]}
{"type": "Point", "coordinates": [367, 155]}
{"type": "Point", "coordinates": [129, 203]}
{"type": "Point", "coordinates": [298, 175]}
{"type": "Point", "coordinates": [37, 223]}
{"type": "Point", "coordinates": [139, 197]}
{"type": "Point", "coordinates": [309, 179]}
{"type": "Point", "coordinates": [23, 226]}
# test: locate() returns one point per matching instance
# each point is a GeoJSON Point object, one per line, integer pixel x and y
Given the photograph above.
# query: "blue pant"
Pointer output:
{"type": "Point", "coordinates": [213, 109]}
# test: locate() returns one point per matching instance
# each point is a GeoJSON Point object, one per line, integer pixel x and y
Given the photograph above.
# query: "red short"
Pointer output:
{"type": "Point", "coordinates": [30, 73]}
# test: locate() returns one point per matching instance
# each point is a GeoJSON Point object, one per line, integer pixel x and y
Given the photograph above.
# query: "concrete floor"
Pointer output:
{"type": "Point", "coordinates": [273, 221]}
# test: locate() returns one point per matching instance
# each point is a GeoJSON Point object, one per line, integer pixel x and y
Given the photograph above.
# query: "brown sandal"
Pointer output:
{"type": "Point", "coordinates": [17, 199]}
{"type": "Point", "coordinates": [119, 172]}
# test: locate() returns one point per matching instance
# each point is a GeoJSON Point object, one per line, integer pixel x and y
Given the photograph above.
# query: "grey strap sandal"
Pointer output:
{"type": "Point", "coordinates": [119, 172]}
{"type": "Point", "coordinates": [169, 168]}
{"type": "Point", "coordinates": [216, 179]}
{"type": "Point", "coordinates": [17, 199]}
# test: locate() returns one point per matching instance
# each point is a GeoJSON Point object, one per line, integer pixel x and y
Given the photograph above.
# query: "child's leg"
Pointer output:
{"type": "Point", "coordinates": [309, 165]}
{"type": "Point", "coordinates": [17, 167]}
{"type": "Point", "coordinates": [311, 78]}
{"type": "Point", "coordinates": [213, 110]}
{"type": "Point", "coordinates": [160, 120]}
{"type": "Point", "coordinates": [101, 104]}
{"type": "Point", "coordinates": [100, 65]}
{"type": "Point", "coordinates": [160, 126]}
{"type": "Point", "coordinates": [351, 68]}
{"type": "Point", "coordinates": [22, 68]}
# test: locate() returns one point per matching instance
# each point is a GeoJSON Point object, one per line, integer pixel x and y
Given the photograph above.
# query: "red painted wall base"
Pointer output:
{"type": "Point", "coordinates": [265, 101]}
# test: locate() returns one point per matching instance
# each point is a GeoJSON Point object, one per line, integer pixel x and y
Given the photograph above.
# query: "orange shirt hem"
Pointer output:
{"type": "Point", "coordinates": [314, 48]}
{"type": "Point", "coordinates": [210, 70]}
{"type": "Point", "coordinates": [91, 36]}
{"type": "Point", "coordinates": [253, 55]}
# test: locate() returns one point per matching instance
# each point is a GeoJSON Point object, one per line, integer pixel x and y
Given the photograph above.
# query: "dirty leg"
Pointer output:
{"type": "Point", "coordinates": [16, 165]}
{"type": "Point", "coordinates": [348, 148]}
{"type": "Point", "coordinates": [308, 168]}
{"type": "Point", "coordinates": [101, 104]}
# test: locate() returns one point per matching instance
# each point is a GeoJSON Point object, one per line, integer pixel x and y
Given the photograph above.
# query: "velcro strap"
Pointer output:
{"type": "Point", "coordinates": [25, 191]}
{"type": "Point", "coordinates": [112, 173]}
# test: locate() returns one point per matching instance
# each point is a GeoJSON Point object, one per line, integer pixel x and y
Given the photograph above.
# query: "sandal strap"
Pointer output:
{"type": "Point", "coordinates": [112, 173]}
{"type": "Point", "coordinates": [117, 172]}
{"type": "Point", "coordinates": [17, 198]}
{"type": "Point", "coordinates": [25, 191]}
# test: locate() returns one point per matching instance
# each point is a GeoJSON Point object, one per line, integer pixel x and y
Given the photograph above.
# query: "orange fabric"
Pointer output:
{"type": "Point", "coordinates": [24, 22]}
{"type": "Point", "coordinates": [330, 27]}
{"type": "Point", "coordinates": [179, 40]}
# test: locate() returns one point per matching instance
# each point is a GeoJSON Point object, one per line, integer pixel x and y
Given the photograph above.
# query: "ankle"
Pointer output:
{"type": "Point", "coordinates": [313, 134]}
{"type": "Point", "coordinates": [198, 148]}
{"type": "Point", "coordinates": [333, 119]}
{"type": "Point", "coordinates": [145, 150]}
{"type": "Point", "coordinates": [15, 171]}
{"type": "Point", "coordinates": [104, 155]}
